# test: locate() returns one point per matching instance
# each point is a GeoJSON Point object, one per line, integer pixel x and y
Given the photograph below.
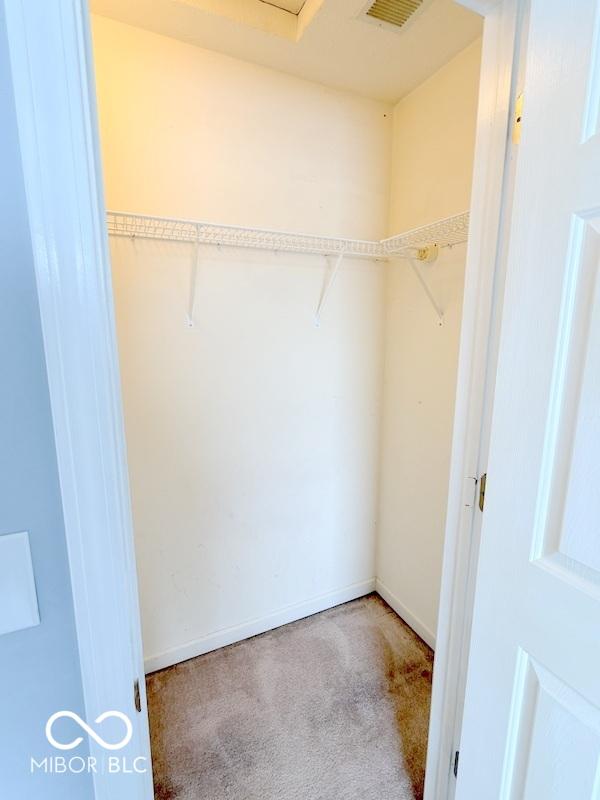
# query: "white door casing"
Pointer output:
{"type": "Point", "coordinates": [482, 307]}
{"type": "Point", "coordinates": [53, 83]}
{"type": "Point", "coordinates": [532, 716]}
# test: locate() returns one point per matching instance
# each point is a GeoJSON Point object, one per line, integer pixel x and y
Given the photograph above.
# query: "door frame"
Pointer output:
{"type": "Point", "coordinates": [481, 304]}
{"type": "Point", "coordinates": [482, 309]}
{"type": "Point", "coordinates": [54, 88]}
{"type": "Point", "coordinates": [54, 92]}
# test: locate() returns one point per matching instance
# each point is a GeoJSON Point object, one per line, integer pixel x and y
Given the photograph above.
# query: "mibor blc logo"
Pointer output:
{"type": "Point", "coordinates": [90, 731]}
{"type": "Point", "coordinates": [57, 765]}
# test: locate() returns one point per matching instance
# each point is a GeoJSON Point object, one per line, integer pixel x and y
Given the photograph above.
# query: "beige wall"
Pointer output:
{"type": "Point", "coordinates": [188, 132]}
{"type": "Point", "coordinates": [259, 460]}
{"type": "Point", "coordinates": [253, 438]}
{"type": "Point", "coordinates": [433, 148]}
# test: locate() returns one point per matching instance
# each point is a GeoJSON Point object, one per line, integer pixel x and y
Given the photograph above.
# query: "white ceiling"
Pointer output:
{"type": "Point", "coordinates": [328, 42]}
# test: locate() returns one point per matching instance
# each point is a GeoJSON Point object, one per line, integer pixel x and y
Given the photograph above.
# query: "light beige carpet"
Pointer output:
{"type": "Point", "coordinates": [333, 707]}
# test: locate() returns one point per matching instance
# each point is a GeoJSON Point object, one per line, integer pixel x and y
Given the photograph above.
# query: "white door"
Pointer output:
{"type": "Point", "coordinates": [532, 716]}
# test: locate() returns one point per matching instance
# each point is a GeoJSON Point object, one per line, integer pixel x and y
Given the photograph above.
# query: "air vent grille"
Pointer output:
{"type": "Point", "coordinates": [394, 12]}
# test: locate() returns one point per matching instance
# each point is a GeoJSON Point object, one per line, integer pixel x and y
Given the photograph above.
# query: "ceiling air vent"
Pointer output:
{"type": "Point", "coordinates": [393, 12]}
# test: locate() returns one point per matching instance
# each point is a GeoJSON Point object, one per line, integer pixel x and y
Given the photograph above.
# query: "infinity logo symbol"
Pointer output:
{"type": "Point", "coordinates": [90, 732]}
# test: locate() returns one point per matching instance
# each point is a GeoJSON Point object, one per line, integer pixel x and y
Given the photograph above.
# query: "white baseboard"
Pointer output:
{"type": "Point", "coordinates": [255, 626]}
{"type": "Point", "coordinates": [414, 622]}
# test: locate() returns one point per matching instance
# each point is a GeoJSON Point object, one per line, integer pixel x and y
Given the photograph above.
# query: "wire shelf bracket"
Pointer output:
{"type": "Point", "coordinates": [427, 290]}
{"type": "Point", "coordinates": [327, 288]}
{"type": "Point", "coordinates": [193, 282]}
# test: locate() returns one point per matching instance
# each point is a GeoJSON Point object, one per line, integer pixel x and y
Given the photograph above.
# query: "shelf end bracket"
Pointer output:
{"type": "Point", "coordinates": [427, 258]}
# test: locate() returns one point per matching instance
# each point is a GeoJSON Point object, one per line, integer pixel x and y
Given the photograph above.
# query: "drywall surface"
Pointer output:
{"type": "Point", "coordinates": [253, 436]}
{"type": "Point", "coordinates": [434, 139]}
{"type": "Point", "coordinates": [39, 666]}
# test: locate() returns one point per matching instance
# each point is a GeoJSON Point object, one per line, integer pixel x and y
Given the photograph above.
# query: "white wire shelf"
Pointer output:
{"type": "Point", "coordinates": [443, 233]}
{"type": "Point", "coordinates": [446, 232]}
{"type": "Point", "coordinates": [179, 230]}
{"type": "Point", "coordinates": [420, 244]}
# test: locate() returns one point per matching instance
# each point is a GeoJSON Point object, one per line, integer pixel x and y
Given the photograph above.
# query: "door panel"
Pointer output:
{"type": "Point", "coordinates": [532, 715]}
{"type": "Point", "coordinates": [557, 738]}
{"type": "Point", "coordinates": [568, 513]}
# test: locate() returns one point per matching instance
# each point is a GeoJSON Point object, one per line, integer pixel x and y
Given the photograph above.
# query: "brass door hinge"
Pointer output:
{"type": "Point", "coordinates": [137, 700]}
{"type": "Point", "coordinates": [482, 482]}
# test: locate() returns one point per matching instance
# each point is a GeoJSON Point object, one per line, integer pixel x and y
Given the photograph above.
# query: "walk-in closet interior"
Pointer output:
{"type": "Point", "coordinates": [288, 187]}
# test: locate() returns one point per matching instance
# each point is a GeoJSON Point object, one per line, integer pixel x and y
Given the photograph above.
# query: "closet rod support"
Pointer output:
{"type": "Point", "coordinates": [328, 286]}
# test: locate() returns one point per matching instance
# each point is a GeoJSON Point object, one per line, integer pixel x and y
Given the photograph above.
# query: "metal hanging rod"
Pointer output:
{"type": "Point", "coordinates": [420, 243]}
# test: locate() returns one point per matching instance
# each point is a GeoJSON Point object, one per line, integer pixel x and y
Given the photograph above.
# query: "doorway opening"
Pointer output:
{"type": "Point", "coordinates": [261, 446]}
{"type": "Point", "coordinates": [288, 270]}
